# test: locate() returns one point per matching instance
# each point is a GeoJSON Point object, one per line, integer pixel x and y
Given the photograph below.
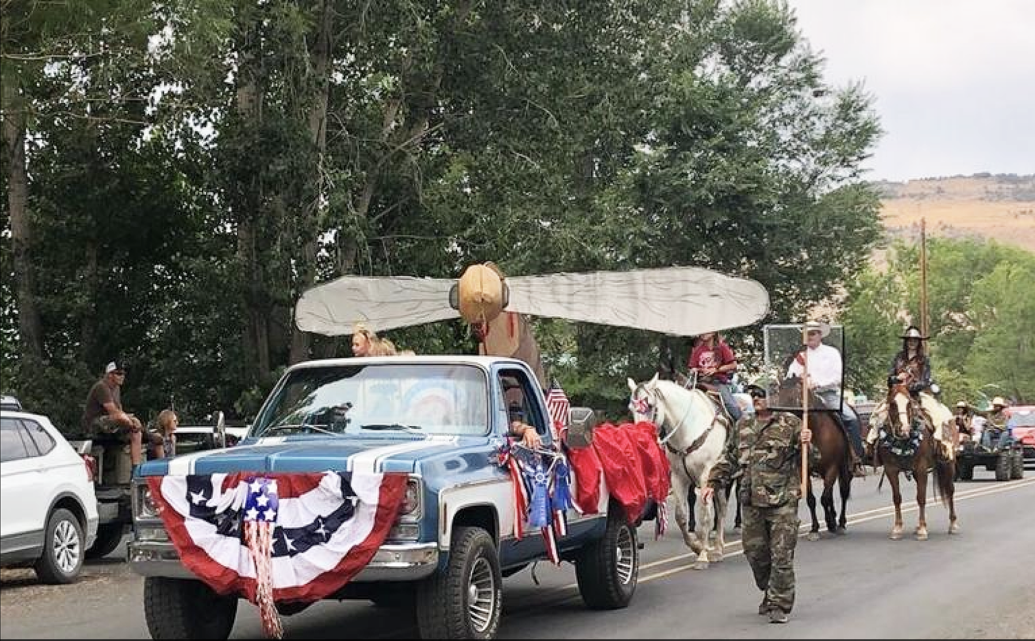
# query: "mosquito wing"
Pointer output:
{"type": "Point", "coordinates": [379, 303]}
{"type": "Point", "coordinates": [684, 301]}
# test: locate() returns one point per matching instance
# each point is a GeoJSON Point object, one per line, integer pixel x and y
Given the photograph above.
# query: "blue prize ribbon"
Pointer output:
{"type": "Point", "coordinates": [539, 509]}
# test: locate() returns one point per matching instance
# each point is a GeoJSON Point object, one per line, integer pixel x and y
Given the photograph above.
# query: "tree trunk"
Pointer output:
{"type": "Point", "coordinates": [256, 300]}
{"type": "Point", "coordinates": [88, 320]}
{"type": "Point", "coordinates": [30, 328]}
{"type": "Point", "coordinates": [309, 226]}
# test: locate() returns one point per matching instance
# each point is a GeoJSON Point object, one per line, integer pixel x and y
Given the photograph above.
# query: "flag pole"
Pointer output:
{"type": "Point", "coordinates": [805, 409]}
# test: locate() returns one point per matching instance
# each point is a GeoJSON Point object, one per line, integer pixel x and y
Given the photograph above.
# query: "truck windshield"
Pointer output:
{"type": "Point", "coordinates": [432, 398]}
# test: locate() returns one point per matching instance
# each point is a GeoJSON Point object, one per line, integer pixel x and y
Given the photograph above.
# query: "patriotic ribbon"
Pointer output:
{"type": "Point", "coordinates": [260, 514]}
{"type": "Point", "coordinates": [539, 511]}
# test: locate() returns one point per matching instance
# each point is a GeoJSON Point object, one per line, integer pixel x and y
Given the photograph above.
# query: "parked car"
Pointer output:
{"type": "Point", "coordinates": [48, 511]}
{"type": "Point", "coordinates": [1021, 423]}
{"type": "Point", "coordinates": [10, 404]}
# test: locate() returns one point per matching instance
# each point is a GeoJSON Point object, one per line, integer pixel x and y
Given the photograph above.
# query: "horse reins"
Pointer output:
{"type": "Point", "coordinates": [698, 442]}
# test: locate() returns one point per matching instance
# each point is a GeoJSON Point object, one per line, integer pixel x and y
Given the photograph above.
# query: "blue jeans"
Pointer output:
{"type": "Point", "coordinates": [729, 401]}
{"type": "Point", "coordinates": [1002, 438]}
{"type": "Point", "coordinates": [832, 399]}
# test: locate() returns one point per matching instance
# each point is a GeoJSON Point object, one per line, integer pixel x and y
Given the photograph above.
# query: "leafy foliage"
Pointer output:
{"type": "Point", "coordinates": [237, 153]}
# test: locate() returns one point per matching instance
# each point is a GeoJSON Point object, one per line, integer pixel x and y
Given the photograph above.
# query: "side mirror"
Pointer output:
{"type": "Point", "coordinates": [220, 429]}
{"type": "Point", "coordinates": [580, 429]}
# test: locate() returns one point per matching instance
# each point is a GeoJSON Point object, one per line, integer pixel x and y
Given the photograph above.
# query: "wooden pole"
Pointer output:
{"type": "Point", "coordinates": [805, 410]}
{"type": "Point", "coordinates": [923, 277]}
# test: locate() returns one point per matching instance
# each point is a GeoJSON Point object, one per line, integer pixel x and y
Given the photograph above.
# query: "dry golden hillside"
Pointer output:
{"type": "Point", "coordinates": [996, 207]}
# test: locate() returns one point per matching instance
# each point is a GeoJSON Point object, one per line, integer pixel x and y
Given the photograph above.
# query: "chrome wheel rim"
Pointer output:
{"type": "Point", "coordinates": [66, 547]}
{"type": "Point", "coordinates": [481, 595]}
{"type": "Point", "coordinates": [625, 557]}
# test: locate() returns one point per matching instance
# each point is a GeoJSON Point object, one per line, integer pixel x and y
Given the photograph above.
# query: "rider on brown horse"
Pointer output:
{"type": "Point", "coordinates": [824, 379]}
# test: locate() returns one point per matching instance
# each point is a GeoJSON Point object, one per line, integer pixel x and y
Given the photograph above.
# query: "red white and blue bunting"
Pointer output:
{"type": "Point", "coordinates": [278, 537]}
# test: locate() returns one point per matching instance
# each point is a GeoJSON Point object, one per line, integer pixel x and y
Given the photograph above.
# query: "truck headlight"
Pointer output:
{"type": "Point", "coordinates": [144, 506]}
{"type": "Point", "coordinates": [412, 501]}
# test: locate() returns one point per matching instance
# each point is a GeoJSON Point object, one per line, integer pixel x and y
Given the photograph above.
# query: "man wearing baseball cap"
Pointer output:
{"type": "Point", "coordinates": [103, 412]}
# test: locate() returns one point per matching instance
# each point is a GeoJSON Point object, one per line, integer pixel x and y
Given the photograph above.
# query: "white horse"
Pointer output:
{"type": "Point", "coordinates": [693, 431]}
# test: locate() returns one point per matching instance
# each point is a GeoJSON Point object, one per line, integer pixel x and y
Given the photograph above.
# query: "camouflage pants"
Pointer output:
{"type": "Point", "coordinates": [769, 536]}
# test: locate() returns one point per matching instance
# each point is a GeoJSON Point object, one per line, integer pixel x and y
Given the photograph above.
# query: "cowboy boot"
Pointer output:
{"type": "Point", "coordinates": [858, 471]}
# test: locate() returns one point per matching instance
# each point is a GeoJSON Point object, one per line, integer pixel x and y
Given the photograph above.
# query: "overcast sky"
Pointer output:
{"type": "Point", "coordinates": [954, 80]}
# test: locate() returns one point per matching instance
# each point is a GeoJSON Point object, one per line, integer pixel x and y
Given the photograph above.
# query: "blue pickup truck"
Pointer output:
{"type": "Point", "coordinates": [440, 420]}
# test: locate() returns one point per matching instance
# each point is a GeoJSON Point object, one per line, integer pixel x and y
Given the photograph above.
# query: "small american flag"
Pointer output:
{"type": "Point", "coordinates": [559, 407]}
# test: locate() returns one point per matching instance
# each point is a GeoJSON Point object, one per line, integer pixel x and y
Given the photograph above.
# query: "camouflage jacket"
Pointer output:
{"type": "Point", "coordinates": [767, 456]}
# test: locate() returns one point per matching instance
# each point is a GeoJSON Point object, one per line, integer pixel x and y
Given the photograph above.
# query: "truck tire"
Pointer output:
{"type": "Point", "coordinates": [109, 535]}
{"type": "Point", "coordinates": [966, 471]}
{"type": "Point", "coordinates": [1003, 465]}
{"type": "Point", "coordinates": [464, 600]}
{"type": "Point", "coordinates": [63, 548]}
{"type": "Point", "coordinates": [1017, 471]}
{"type": "Point", "coordinates": [186, 609]}
{"type": "Point", "coordinates": [607, 569]}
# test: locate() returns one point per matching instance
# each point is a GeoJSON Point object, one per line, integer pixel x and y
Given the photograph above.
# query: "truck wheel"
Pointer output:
{"type": "Point", "coordinates": [186, 609]}
{"type": "Point", "coordinates": [1017, 472]}
{"type": "Point", "coordinates": [463, 600]}
{"type": "Point", "coordinates": [63, 543]}
{"type": "Point", "coordinates": [966, 472]}
{"type": "Point", "coordinates": [1003, 465]}
{"type": "Point", "coordinates": [109, 536]}
{"type": "Point", "coordinates": [607, 569]}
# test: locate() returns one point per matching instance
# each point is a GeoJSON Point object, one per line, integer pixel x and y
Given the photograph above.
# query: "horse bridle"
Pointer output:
{"type": "Point", "coordinates": [664, 438]}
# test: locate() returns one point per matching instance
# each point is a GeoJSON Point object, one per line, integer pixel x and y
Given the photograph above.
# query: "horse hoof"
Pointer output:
{"type": "Point", "coordinates": [895, 536]}
{"type": "Point", "coordinates": [812, 536]}
{"type": "Point", "coordinates": [921, 536]}
{"type": "Point", "coordinates": [954, 528]}
{"type": "Point", "coordinates": [700, 565]}
{"type": "Point", "coordinates": [841, 530]}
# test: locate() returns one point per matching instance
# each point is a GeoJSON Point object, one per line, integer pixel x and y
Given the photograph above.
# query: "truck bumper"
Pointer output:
{"type": "Point", "coordinates": [391, 562]}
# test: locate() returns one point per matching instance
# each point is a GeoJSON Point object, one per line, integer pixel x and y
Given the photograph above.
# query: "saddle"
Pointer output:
{"type": "Point", "coordinates": [711, 391]}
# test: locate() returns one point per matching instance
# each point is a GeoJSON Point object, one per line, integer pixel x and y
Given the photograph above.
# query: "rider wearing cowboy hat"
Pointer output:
{"type": "Point", "coordinates": [912, 368]}
{"type": "Point", "coordinates": [825, 371]}
{"type": "Point", "coordinates": [995, 425]}
{"type": "Point", "coordinates": [911, 365]}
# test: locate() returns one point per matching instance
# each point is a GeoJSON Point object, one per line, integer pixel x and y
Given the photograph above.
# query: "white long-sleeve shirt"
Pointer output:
{"type": "Point", "coordinates": [824, 366]}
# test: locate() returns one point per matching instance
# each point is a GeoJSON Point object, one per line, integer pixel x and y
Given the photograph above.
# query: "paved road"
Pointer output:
{"type": "Point", "coordinates": [977, 584]}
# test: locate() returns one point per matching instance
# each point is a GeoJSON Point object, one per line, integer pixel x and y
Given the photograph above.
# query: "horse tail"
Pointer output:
{"type": "Point", "coordinates": [946, 471]}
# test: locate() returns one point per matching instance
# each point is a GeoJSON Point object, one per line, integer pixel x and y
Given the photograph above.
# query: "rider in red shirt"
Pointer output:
{"type": "Point", "coordinates": [714, 362]}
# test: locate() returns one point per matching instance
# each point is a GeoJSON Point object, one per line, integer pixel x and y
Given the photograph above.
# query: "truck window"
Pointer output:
{"type": "Point", "coordinates": [519, 400]}
{"type": "Point", "coordinates": [428, 398]}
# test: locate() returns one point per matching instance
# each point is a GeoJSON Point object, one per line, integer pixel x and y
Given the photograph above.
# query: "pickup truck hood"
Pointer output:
{"type": "Point", "coordinates": [396, 453]}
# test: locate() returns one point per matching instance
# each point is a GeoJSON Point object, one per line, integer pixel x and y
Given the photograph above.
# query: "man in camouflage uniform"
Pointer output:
{"type": "Point", "coordinates": [765, 450]}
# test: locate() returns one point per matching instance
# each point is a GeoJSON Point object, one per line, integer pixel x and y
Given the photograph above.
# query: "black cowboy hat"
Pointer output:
{"type": "Point", "coordinates": [913, 332]}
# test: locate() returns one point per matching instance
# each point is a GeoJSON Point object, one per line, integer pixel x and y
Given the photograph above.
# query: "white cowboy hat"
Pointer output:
{"type": "Point", "coordinates": [913, 332]}
{"type": "Point", "coordinates": [998, 400]}
{"type": "Point", "coordinates": [822, 328]}
{"type": "Point", "coordinates": [962, 404]}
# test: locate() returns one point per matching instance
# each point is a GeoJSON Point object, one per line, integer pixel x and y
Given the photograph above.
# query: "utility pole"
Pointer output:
{"type": "Point", "coordinates": [924, 326]}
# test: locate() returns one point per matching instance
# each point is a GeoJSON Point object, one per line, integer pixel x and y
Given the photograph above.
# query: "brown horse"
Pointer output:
{"type": "Point", "coordinates": [907, 444]}
{"type": "Point", "coordinates": [834, 464]}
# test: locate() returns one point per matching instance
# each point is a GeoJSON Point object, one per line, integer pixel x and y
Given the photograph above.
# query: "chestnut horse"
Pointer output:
{"type": "Point", "coordinates": [834, 461]}
{"type": "Point", "coordinates": [906, 443]}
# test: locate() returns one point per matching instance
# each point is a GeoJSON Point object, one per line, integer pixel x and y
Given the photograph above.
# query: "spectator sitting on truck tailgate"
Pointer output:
{"type": "Point", "coordinates": [103, 413]}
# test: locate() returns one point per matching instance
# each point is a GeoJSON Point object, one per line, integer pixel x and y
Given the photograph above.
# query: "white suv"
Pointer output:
{"type": "Point", "coordinates": [48, 509]}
